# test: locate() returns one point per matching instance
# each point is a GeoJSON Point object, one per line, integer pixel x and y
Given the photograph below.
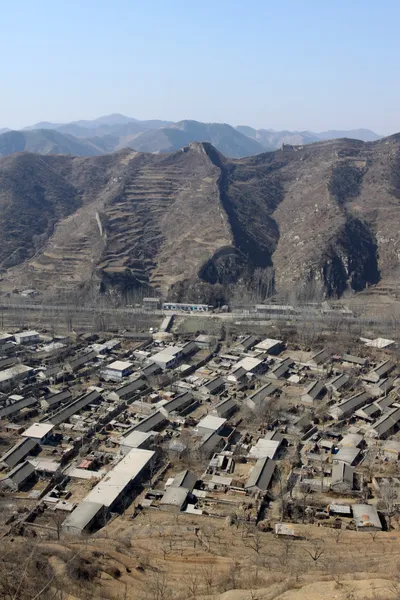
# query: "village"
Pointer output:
{"type": "Point", "coordinates": [263, 431]}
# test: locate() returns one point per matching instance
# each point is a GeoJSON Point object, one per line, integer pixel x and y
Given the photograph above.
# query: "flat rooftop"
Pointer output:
{"type": "Point", "coordinates": [212, 423]}
{"type": "Point", "coordinates": [120, 365]}
{"type": "Point", "coordinates": [38, 431]}
{"type": "Point", "coordinates": [267, 344]}
{"type": "Point", "coordinates": [14, 371]}
{"type": "Point", "coordinates": [114, 482]}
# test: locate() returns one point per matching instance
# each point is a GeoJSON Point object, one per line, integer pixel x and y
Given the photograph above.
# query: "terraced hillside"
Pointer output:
{"type": "Point", "coordinates": [325, 215]}
{"type": "Point", "coordinates": [167, 220]}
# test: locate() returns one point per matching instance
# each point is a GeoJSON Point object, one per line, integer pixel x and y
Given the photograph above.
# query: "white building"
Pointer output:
{"type": "Point", "coordinates": [117, 482]}
{"type": "Point", "coordinates": [270, 345]}
{"type": "Point", "coordinates": [27, 337]}
{"type": "Point", "coordinates": [117, 370]}
{"type": "Point", "coordinates": [38, 431]}
{"type": "Point", "coordinates": [167, 358]}
{"type": "Point", "coordinates": [8, 377]}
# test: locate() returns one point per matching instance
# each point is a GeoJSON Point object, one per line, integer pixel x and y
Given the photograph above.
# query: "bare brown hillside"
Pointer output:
{"type": "Point", "coordinates": [183, 222]}
{"type": "Point", "coordinates": [160, 556]}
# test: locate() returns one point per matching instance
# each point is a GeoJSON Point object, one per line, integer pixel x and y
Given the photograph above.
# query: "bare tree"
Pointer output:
{"type": "Point", "coordinates": [254, 540]}
{"type": "Point", "coordinates": [285, 551]}
{"type": "Point", "coordinates": [192, 582]}
{"type": "Point", "coordinates": [157, 587]}
{"type": "Point", "coordinates": [305, 493]}
{"type": "Point", "coordinates": [316, 550]}
{"type": "Point", "coordinates": [336, 533]}
{"type": "Point", "coordinates": [208, 574]}
{"type": "Point", "coordinates": [58, 518]}
{"type": "Point", "coordinates": [387, 503]}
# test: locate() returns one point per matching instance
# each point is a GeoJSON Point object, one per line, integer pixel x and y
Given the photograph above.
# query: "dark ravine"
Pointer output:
{"type": "Point", "coordinates": [353, 260]}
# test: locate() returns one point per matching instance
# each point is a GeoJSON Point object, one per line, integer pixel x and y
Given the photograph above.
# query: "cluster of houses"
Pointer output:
{"type": "Point", "coordinates": [192, 425]}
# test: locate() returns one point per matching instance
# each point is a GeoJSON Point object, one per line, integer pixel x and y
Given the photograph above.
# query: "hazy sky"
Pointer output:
{"type": "Point", "coordinates": [296, 64]}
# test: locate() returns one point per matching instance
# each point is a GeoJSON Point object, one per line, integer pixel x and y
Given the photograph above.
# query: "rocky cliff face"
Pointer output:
{"type": "Point", "coordinates": [194, 224]}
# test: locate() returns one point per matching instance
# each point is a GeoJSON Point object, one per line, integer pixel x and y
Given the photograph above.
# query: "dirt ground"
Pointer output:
{"type": "Point", "coordinates": [164, 556]}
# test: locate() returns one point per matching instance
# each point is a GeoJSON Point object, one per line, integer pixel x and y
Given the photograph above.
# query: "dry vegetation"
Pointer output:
{"type": "Point", "coordinates": [159, 556]}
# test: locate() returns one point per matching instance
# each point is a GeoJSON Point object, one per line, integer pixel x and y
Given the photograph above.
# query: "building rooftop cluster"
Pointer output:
{"type": "Point", "coordinates": [189, 423]}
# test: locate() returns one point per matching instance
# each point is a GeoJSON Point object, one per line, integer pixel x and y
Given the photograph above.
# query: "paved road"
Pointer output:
{"type": "Point", "coordinates": [244, 315]}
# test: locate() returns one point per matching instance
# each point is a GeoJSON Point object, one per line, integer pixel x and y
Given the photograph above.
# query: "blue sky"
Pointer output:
{"type": "Point", "coordinates": [296, 64]}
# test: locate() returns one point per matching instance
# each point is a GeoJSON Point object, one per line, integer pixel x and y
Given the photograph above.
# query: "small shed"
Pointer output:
{"type": "Point", "coordinates": [174, 499]}
{"type": "Point", "coordinates": [366, 517]}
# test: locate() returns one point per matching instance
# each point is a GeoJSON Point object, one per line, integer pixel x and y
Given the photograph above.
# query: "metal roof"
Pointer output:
{"type": "Point", "coordinates": [347, 455]}
{"type": "Point", "coordinates": [174, 496]}
{"type": "Point", "coordinates": [20, 473]}
{"type": "Point", "coordinates": [113, 484]}
{"type": "Point", "coordinates": [261, 474]}
{"type": "Point", "coordinates": [268, 344]}
{"type": "Point", "coordinates": [365, 515]}
{"type": "Point", "coordinates": [119, 365]}
{"type": "Point", "coordinates": [338, 382]}
{"type": "Point", "coordinates": [129, 388]}
{"type": "Point", "coordinates": [249, 363]}
{"type": "Point", "coordinates": [265, 448]}
{"type": "Point", "coordinates": [380, 343]}
{"type": "Point", "coordinates": [280, 369]}
{"type": "Point", "coordinates": [387, 422]}
{"type": "Point", "coordinates": [71, 409]}
{"type": "Point", "coordinates": [15, 371]}
{"type": "Point", "coordinates": [314, 389]}
{"type": "Point", "coordinates": [150, 422]}
{"type": "Point", "coordinates": [342, 473]}
{"type": "Point", "coordinates": [215, 384]}
{"type": "Point", "coordinates": [178, 403]}
{"type": "Point", "coordinates": [212, 423]}
{"type": "Point", "coordinates": [136, 438]}
{"type": "Point", "coordinates": [342, 509]}
{"type": "Point", "coordinates": [82, 516]}
{"type": "Point", "coordinates": [186, 479]}
{"type": "Point", "coordinates": [15, 407]}
{"type": "Point", "coordinates": [18, 452]}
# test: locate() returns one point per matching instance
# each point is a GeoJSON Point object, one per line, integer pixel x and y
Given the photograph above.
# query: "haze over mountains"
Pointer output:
{"type": "Point", "coordinates": [196, 225]}
{"type": "Point", "coordinates": [114, 132]}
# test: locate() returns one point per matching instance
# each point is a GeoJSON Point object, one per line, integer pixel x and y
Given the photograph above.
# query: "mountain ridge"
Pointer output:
{"type": "Point", "coordinates": [112, 132]}
{"type": "Point", "coordinates": [196, 225]}
{"type": "Point", "coordinates": [45, 141]}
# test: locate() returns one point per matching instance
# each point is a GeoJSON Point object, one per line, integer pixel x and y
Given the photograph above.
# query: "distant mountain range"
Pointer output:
{"type": "Point", "coordinates": [114, 132]}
